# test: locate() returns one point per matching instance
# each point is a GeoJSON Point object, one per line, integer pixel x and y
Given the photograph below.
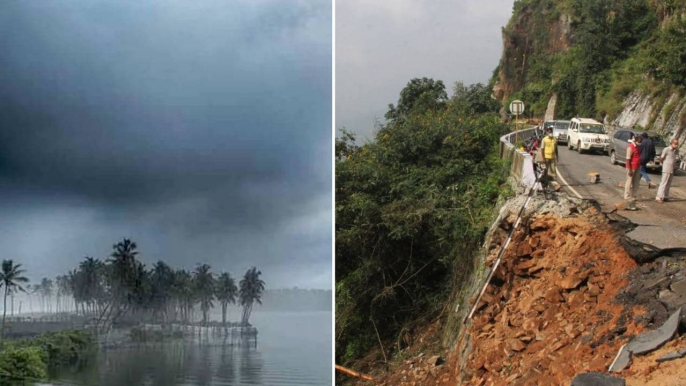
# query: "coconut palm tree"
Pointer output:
{"type": "Point", "coordinates": [64, 289]}
{"type": "Point", "coordinates": [184, 293]}
{"type": "Point", "coordinates": [90, 278]}
{"type": "Point", "coordinates": [251, 288]}
{"type": "Point", "coordinates": [204, 289]}
{"type": "Point", "coordinates": [46, 292]}
{"type": "Point", "coordinates": [225, 292]}
{"type": "Point", "coordinates": [11, 277]}
{"type": "Point", "coordinates": [161, 282]}
{"type": "Point", "coordinates": [125, 269]}
{"type": "Point", "coordinates": [123, 276]}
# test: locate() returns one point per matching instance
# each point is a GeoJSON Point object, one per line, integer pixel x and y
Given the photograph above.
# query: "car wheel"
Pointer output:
{"type": "Point", "coordinates": [570, 146]}
{"type": "Point", "coordinates": [578, 147]}
{"type": "Point", "coordinates": [613, 158]}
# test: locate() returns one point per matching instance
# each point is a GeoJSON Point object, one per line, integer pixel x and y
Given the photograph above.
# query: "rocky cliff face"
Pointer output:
{"type": "Point", "coordinates": [545, 41]}
{"type": "Point", "coordinates": [667, 118]}
{"type": "Point", "coordinates": [530, 32]}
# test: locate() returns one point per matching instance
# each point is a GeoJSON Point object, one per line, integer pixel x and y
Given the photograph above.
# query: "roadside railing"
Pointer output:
{"type": "Point", "coordinates": [522, 169]}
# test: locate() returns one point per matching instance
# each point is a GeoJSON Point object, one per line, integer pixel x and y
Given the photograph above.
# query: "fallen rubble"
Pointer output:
{"type": "Point", "coordinates": [550, 311]}
{"type": "Point", "coordinates": [564, 300]}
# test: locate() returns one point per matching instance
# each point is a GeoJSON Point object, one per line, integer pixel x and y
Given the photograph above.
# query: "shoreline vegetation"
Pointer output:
{"type": "Point", "coordinates": [122, 291]}
{"type": "Point", "coordinates": [117, 301]}
{"type": "Point", "coordinates": [31, 359]}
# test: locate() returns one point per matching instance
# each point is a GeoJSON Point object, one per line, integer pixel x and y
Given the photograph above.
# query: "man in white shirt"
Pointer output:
{"type": "Point", "coordinates": [669, 159]}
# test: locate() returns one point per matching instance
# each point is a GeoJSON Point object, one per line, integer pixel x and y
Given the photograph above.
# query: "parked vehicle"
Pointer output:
{"type": "Point", "coordinates": [620, 141]}
{"type": "Point", "coordinates": [560, 130]}
{"type": "Point", "coordinates": [586, 134]}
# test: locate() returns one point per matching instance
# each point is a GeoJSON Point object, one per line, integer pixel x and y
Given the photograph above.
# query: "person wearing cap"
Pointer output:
{"type": "Point", "coordinates": [647, 154]}
{"type": "Point", "coordinates": [669, 158]}
{"type": "Point", "coordinates": [549, 153]}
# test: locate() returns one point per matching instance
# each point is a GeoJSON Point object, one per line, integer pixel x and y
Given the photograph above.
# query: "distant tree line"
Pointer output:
{"type": "Point", "coordinates": [120, 289]}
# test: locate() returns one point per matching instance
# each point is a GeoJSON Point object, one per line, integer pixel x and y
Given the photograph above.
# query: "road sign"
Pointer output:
{"type": "Point", "coordinates": [517, 107]}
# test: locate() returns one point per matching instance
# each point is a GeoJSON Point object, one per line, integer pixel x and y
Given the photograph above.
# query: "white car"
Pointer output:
{"type": "Point", "coordinates": [586, 134]}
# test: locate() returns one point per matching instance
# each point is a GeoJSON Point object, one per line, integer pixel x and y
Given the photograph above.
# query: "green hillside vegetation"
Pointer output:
{"type": "Point", "coordinates": [618, 46]}
{"type": "Point", "coordinates": [412, 208]}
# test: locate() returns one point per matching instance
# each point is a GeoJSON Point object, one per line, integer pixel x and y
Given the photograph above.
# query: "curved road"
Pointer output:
{"type": "Point", "coordinates": [662, 225]}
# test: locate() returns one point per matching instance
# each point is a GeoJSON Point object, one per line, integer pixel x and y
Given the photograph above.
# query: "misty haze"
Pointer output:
{"type": "Point", "coordinates": [165, 180]}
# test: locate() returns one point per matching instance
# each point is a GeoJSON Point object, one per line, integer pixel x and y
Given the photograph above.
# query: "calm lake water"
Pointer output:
{"type": "Point", "coordinates": [292, 349]}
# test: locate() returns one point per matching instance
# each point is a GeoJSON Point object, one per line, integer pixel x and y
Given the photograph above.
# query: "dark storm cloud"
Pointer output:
{"type": "Point", "coordinates": [381, 45]}
{"type": "Point", "coordinates": [200, 129]}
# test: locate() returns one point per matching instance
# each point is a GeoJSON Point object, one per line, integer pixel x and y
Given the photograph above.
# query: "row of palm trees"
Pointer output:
{"type": "Point", "coordinates": [121, 289]}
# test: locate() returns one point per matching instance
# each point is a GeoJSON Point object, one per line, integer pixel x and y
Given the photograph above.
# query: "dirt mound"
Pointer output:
{"type": "Point", "coordinates": [550, 311]}
{"type": "Point", "coordinates": [646, 371]}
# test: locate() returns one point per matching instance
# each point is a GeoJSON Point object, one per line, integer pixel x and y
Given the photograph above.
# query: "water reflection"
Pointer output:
{"type": "Point", "coordinates": [251, 366]}
{"type": "Point", "coordinates": [286, 353]}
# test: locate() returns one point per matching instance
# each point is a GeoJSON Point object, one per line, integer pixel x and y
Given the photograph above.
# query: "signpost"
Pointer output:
{"type": "Point", "coordinates": [516, 108]}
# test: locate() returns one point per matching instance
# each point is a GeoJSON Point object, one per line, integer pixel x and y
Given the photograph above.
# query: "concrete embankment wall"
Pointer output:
{"type": "Point", "coordinates": [26, 326]}
{"type": "Point", "coordinates": [522, 171]}
{"type": "Point", "coordinates": [24, 329]}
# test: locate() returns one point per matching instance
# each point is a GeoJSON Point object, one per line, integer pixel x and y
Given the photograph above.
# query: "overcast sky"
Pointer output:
{"type": "Point", "coordinates": [381, 45]}
{"type": "Point", "coordinates": [199, 129]}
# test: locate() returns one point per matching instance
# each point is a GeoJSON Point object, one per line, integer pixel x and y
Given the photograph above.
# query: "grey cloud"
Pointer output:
{"type": "Point", "coordinates": [197, 128]}
{"type": "Point", "coordinates": [381, 45]}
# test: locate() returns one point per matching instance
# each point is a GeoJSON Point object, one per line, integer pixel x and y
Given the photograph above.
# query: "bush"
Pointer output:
{"type": "Point", "coordinates": [22, 363]}
{"type": "Point", "coordinates": [30, 358]}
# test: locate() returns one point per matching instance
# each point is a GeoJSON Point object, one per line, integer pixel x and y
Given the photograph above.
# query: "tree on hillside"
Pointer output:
{"type": "Point", "coordinates": [419, 95]}
{"type": "Point", "coordinates": [11, 277]}
{"type": "Point", "coordinates": [225, 292]}
{"type": "Point", "coordinates": [251, 287]}
{"type": "Point", "coordinates": [203, 283]}
{"type": "Point", "coordinates": [473, 99]}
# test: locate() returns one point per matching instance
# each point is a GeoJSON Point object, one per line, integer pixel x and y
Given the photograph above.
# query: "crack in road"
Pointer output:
{"type": "Point", "coordinates": [660, 225]}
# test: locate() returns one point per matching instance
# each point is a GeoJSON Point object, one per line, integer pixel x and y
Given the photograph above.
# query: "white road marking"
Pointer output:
{"type": "Point", "coordinates": [557, 171]}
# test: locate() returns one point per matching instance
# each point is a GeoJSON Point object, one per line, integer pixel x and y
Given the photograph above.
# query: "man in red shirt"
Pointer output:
{"type": "Point", "coordinates": [633, 167]}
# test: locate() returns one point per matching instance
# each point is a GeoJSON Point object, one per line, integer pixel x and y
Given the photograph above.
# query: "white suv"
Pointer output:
{"type": "Point", "coordinates": [588, 134]}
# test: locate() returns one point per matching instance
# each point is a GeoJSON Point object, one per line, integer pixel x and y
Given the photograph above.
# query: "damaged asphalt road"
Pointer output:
{"type": "Point", "coordinates": [660, 225]}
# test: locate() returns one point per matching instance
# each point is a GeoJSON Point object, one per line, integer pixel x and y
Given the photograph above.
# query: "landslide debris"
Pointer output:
{"type": "Point", "coordinates": [563, 301]}
{"type": "Point", "coordinates": [550, 313]}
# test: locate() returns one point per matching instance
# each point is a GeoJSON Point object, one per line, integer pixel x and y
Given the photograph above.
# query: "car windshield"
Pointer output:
{"type": "Point", "coordinates": [595, 129]}
{"type": "Point", "coordinates": [658, 141]}
{"type": "Point", "coordinates": [562, 125]}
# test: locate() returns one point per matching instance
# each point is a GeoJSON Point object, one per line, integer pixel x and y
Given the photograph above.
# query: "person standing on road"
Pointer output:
{"type": "Point", "coordinates": [633, 167]}
{"type": "Point", "coordinates": [647, 155]}
{"type": "Point", "coordinates": [669, 158]}
{"type": "Point", "coordinates": [549, 153]}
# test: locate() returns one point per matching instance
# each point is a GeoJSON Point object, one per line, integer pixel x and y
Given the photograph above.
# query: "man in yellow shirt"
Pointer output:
{"type": "Point", "coordinates": [549, 153]}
